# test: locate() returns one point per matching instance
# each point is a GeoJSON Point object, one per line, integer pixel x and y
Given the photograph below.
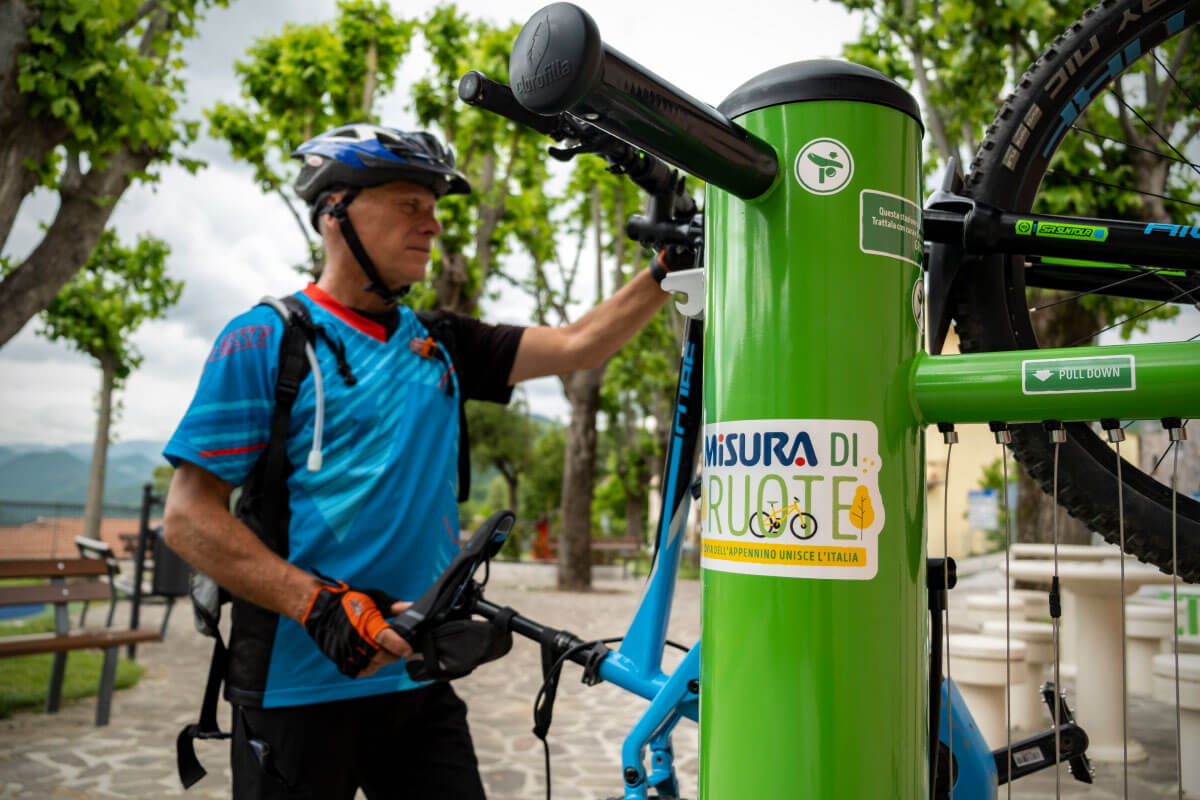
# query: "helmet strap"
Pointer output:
{"type": "Point", "coordinates": [376, 285]}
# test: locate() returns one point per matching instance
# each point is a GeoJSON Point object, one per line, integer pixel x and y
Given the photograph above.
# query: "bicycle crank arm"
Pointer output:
{"type": "Point", "coordinates": [1037, 753]}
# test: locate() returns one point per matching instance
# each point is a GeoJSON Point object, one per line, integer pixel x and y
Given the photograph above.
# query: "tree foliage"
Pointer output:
{"type": "Point", "coordinates": [96, 313]}
{"type": "Point", "coordinates": [508, 209]}
{"type": "Point", "coordinates": [502, 437]}
{"type": "Point", "coordinates": [637, 401]}
{"type": "Point", "coordinates": [304, 81]}
{"type": "Point", "coordinates": [117, 290]}
{"type": "Point", "coordinates": [88, 104]}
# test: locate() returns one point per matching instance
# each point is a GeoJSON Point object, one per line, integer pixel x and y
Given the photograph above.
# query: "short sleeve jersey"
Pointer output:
{"type": "Point", "coordinates": [381, 511]}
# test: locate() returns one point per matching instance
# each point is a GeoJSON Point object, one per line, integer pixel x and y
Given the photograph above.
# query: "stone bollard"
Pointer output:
{"type": "Point", "coordinates": [978, 670]}
{"type": "Point", "coordinates": [1038, 638]}
{"type": "Point", "coordinates": [1145, 628]}
{"type": "Point", "coordinates": [1189, 710]}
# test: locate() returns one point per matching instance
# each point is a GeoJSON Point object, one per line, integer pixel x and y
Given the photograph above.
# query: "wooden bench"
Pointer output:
{"type": "Point", "coordinates": [60, 591]}
{"type": "Point", "coordinates": [625, 549]}
{"type": "Point", "coordinates": [169, 577]}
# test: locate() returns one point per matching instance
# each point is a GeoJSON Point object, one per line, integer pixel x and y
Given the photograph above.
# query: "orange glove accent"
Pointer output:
{"type": "Point", "coordinates": [345, 624]}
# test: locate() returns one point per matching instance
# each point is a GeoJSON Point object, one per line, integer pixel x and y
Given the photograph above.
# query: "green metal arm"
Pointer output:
{"type": "Point", "coordinates": [1076, 384]}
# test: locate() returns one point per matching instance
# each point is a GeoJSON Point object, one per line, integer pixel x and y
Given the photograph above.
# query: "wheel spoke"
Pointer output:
{"type": "Point", "coordinates": [1175, 80]}
{"type": "Point", "coordinates": [1131, 318]}
{"type": "Point", "coordinates": [1132, 146]}
{"type": "Point", "coordinates": [1153, 130]}
{"type": "Point", "coordinates": [1118, 187]}
{"type": "Point", "coordinates": [1143, 272]}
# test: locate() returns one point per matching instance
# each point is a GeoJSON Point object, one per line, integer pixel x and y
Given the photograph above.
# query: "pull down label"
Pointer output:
{"type": "Point", "coordinates": [1078, 375]}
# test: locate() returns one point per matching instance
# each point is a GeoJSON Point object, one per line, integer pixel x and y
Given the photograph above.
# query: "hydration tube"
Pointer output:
{"type": "Point", "coordinates": [314, 454]}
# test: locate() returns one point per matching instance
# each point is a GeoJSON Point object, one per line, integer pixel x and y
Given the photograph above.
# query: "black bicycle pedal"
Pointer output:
{"type": "Point", "coordinates": [1078, 764]}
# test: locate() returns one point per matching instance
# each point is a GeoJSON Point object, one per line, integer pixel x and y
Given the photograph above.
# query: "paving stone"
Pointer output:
{"type": "Point", "coordinates": [66, 756]}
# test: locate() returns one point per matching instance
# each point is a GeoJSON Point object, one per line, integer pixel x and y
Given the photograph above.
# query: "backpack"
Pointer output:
{"type": "Point", "coordinates": [263, 503]}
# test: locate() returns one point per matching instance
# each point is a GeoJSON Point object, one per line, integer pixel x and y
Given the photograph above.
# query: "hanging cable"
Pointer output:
{"type": "Point", "coordinates": [1058, 435]}
{"type": "Point", "coordinates": [1116, 435]}
{"type": "Point", "coordinates": [951, 438]}
{"type": "Point", "coordinates": [1004, 438]}
{"type": "Point", "coordinates": [1178, 434]}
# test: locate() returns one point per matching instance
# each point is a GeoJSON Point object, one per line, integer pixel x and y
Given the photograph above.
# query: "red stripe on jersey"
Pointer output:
{"type": "Point", "coordinates": [232, 451]}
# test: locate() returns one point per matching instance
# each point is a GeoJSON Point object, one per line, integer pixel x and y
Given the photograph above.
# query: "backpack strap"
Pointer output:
{"type": "Point", "coordinates": [298, 332]}
{"type": "Point", "coordinates": [442, 330]}
{"type": "Point", "coordinates": [189, 767]}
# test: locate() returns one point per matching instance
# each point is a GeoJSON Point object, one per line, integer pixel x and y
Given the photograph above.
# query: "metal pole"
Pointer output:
{"type": "Point", "coordinates": [139, 564]}
{"type": "Point", "coordinates": [814, 673]}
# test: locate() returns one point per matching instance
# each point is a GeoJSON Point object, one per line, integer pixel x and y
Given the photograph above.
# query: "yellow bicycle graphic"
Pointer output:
{"type": "Point", "coordinates": [800, 523]}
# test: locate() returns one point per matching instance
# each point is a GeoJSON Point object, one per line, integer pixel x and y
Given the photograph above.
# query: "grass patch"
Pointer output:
{"type": "Point", "coordinates": [24, 680]}
{"type": "Point", "coordinates": [687, 572]}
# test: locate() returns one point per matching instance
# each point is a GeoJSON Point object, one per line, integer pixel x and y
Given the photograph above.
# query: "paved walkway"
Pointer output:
{"type": "Point", "coordinates": [64, 756]}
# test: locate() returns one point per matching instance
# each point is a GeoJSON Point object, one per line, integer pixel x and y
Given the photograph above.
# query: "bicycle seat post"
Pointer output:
{"type": "Point", "coordinates": [805, 639]}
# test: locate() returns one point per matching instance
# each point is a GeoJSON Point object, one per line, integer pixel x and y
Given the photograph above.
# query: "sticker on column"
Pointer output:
{"type": "Point", "coordinates": [824, 166]}
{"type": "Point", "coordinates": [793, 498]}
{"type": "Point", "coordinates": [890, 225]}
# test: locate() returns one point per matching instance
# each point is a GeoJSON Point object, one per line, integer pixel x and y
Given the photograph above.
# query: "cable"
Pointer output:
{"type": "Point", "coordinates": [552, 676]}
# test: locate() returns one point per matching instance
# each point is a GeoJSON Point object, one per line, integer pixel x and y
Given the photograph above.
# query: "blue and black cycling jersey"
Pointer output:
{"type": "Point", "coordinates": [381, 512]}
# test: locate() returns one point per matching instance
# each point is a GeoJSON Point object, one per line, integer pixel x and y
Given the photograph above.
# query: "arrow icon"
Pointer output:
{"type": "Point", "coordinates": [1043, 374]}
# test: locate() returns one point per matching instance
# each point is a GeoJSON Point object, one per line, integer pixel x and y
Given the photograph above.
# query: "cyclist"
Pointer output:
{"type": "Point", "coordinates": [322, 704]}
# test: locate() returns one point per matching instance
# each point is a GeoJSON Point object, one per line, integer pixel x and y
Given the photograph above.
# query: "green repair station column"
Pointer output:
{"type": "Point", "coordinates": [814, 674]}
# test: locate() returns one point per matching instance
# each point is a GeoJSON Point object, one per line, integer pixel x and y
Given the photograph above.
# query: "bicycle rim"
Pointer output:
{"type": "Point", "coordinates": [1026, 156]}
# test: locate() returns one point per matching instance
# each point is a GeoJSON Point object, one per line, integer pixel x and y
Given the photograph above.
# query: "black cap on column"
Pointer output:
{"type": "Point", "coordinates": [557, 59]}
{"type": "Point", "coordinates": [819, 80]}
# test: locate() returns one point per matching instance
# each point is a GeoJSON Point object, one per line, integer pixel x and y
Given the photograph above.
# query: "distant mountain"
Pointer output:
{"type": "Point", "coordinates": [60, 475]}
{"type": "Point", "coordinates": [142, 448]}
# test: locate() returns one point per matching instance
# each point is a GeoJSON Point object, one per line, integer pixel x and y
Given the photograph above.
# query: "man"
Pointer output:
{"type": "Point", "coordinates": [321, 703]}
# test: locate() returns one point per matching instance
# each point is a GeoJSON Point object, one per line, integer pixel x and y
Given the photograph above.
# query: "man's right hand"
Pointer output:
{"type": "Point", "coordinates": [349, 628]}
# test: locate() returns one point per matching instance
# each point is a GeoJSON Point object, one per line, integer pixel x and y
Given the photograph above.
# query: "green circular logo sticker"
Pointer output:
{"type": "Point", "coordinates": [1025, 226]}
{"type": "Point", "coordinates": [824, 166]}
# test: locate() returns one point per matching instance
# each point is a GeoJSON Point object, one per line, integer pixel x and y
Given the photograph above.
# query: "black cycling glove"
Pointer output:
{"type": "Point", "coordinates": [344, 623]}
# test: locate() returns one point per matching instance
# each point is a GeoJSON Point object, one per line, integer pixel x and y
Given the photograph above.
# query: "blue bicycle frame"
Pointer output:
{"type": "Point", "coordinates": [637, 665]}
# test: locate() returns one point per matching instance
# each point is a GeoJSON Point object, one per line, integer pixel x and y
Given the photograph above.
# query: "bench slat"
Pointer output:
{"type": "Point", "coordinates": [49, 593]}
{"type": "Point", "coordinates": [50, 567]}
{"type": "Point", "coordinates": [85, 640]}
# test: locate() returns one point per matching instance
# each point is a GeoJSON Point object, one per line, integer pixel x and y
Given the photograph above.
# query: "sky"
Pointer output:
{"type": "Point", "coordinates": [231, 245]}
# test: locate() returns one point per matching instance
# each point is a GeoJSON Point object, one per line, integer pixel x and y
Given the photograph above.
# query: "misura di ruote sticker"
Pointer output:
{"type": "Point", "coordinates": [796, 498]}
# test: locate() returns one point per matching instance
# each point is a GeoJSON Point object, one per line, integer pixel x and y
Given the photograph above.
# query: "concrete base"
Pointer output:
{"type": "Point", "coordinates": [1189, 710]}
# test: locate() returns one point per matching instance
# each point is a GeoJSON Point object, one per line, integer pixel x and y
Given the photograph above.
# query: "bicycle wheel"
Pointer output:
{"type": "Point", "coordinates": [807, 528]}
{"type": "Point", "coordinates": [750, 525]}
{"type": "Point", "coordinates": [1027, 158]}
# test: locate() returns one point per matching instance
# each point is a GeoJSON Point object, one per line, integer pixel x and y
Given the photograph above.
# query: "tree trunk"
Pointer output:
{"type": "Point", "coordinates": [599, 231]}
{"type": "Point", "coordinates": [82, 215]}
{"type": "Point", "coordinates": [1035, 516]}
{"type": "Point", "coordinates": [450, 284]}
{"type": "Point", "coordinates": [372, 66]}
{"type": "Point", "coordinates": [579, 479]}
{"type": "Point", "coordinates": [513, 484]}
{"type": "Point", "coordinates": [635, 510]}
{"type": "Point", "coordinates": [30, 140]}
{"type": "Point", "coordinates": [93, 512]}
{"type": "Point", "coordinates": [21, 136]}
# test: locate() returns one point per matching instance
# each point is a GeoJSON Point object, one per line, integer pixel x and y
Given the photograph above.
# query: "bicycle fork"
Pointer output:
{"type": "Point", "coordinates": [654, 729]}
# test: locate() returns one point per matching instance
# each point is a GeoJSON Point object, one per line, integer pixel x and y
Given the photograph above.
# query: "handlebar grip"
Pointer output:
{"type": "Point", "coordinates": [559, 64]}
{"type": "Point", "coordinates": [478, 90]}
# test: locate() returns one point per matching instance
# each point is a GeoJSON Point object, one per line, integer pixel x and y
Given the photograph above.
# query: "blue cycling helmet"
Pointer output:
{"type": "Point", "coordinates": [355, 157]}
{"type": "Point", "coordinates": [366, 155]}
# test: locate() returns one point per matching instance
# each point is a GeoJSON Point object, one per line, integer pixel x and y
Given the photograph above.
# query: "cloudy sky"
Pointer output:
{"type": "Point", "coordinates": [232, 245]}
